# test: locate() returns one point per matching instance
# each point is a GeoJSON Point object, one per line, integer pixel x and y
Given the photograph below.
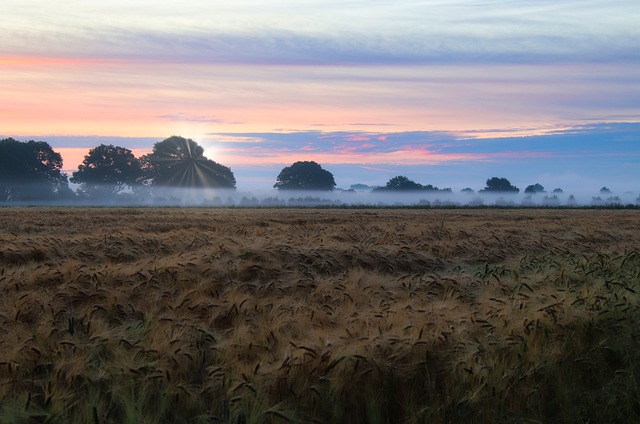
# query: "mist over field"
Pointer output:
{"type": "Point", "coordinates": [202, 197]}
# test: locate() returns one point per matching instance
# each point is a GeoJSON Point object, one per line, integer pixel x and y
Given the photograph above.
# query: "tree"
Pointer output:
{"type": "Point", "coordinates": [107, 170]}
{"type": "Point", "coordinates": [402, 183]}
{"type": "Point", "coordinates": [496, 184]}
{"type": "Point", "coordinates": [305, 176]}
{"type": "Point", "coordinates": [533, 189]}
{"type": "Point", "coordinates": [360, 187]}
{"type": "Point", "coordinates": [30, 171]}
{"type": "Point", "coordinates": [180, 162]}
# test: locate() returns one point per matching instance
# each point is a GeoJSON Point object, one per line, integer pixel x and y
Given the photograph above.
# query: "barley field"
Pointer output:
{"type": "Point", "coordinates": [319, 316]}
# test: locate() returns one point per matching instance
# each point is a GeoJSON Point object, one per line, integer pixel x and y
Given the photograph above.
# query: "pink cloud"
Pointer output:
{"type": "Point", "coordinates": [406, 157]}
{"type": "Point", "coordinates": [358, 137]}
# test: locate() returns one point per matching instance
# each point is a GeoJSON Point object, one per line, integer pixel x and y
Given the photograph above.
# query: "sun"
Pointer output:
{"type": "Point", "coordinates": [200, 136]}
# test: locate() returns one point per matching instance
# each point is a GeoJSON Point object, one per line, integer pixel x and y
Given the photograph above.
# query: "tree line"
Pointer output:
{"type": "Point", "coordinates": [32, 171]}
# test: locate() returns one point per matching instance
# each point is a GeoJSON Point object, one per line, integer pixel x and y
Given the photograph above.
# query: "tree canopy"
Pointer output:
{"type": "Point", "coordinates": [534, 188]}
{"type": "Point", "coordinates": [30, 171]}
{"type": "Point", "coordinates": [180, 162]}
{"type": "Point", "coordinates": [107, 170]}
{"type": "Point", "coordinates": [496, 184]}
{"type": "Point", "coordinates": [402, 183]}
{"type": "Point", "coordinates": [305, 176]}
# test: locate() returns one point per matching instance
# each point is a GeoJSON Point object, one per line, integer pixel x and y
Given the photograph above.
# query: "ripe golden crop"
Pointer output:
{"type": "Point", "coordinates": [261, 315]}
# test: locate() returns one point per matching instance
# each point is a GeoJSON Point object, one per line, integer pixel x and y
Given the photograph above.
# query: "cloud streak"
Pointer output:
{"type": "Point", "coordinates": [429, 148]}
{"type": "Point", "coordinates": [288, 47]}
{"type": "Point", "coordinates": [317, 33]}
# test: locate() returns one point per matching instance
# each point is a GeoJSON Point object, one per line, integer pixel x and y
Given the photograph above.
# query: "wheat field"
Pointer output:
{"type": "Point", "coordinates": [319, 316]}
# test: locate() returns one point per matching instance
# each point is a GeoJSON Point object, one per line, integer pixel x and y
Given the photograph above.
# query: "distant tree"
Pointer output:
{"type": "Point", "coordinates": [467, 190]}
{"type": "Point", "coordinates": [360, 187]}
{"type": "Point", "coordinates": [401, 183]}
{"type": "Point", "coordinates": [535, 188]}
{"type": "Point", "coordinates": [558, 190]}
{"type": "Point", "coordinates": [107, 170]}
{"type": "Point", "coordinates": [30, 171]}
{"type": "Point", "coordinates": [605, 190]}
{"type": "Point", "coordinates": [305, 176]}
{"type": "Point", "coordinates": [496, 184]}
{"type": "Point", "coordinates": [551, 201]}
{"type": "Point", "coordinates": [180, 162]}
{"type": "Point", "coordinates": [430, 187]}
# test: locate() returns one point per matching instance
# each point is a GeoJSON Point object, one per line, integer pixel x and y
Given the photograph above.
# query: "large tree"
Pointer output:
{"type": "Point", "coordinates": [107, 170]}
{"type": "Point", "coordinates": [496, 184]}
{"type": "Point", "coordinates": [180, 162]}
{"type": "Point", "coordinates": [307, 175]}
{"type": "Point", "coordinates": [30, 171]}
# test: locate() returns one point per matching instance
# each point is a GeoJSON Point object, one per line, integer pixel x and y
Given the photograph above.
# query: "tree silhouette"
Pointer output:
{"type": "Point", "coordinates": [30, 171]}
{"type": "Point", "coordinates": [402, 183]}
{"type": "Point", "coordinates": [496, 184]}
{"type": "Point", "coordinates": [107, 170]}
{"type": "Point", "coordinates": [305, 176]}
{"type": "Point", "coordinates": [180, 162]}
{"type": "Point", "coordinates": [534, 188]}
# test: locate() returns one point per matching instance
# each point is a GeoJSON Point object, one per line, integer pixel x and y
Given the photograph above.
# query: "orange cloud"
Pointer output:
{"type": "Point", "coordinates": [48, 61]}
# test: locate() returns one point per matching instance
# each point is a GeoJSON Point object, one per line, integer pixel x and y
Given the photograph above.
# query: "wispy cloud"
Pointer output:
{"type": "Point", "coordinates": [327, 33]}
{"type": "Point", "coordinates": [185, 117]}
{"type": "Point", "coordinates": [290, 47]}
{"type": "Point", "coordinates": [428, 148]}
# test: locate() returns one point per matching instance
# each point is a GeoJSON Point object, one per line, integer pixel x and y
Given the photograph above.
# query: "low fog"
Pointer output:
{"type": "Point", "coordinates": [181, 197]}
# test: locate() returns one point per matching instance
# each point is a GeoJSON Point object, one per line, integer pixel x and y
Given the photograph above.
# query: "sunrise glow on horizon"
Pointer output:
{"type": "Point", "coordinates": [356, 85]}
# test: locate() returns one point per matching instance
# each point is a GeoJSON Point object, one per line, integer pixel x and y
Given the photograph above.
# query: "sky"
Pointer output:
{"type": "Point", "coordinates": [448, 93]}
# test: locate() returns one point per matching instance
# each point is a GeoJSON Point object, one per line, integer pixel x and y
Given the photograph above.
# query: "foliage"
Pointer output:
{"type": "Point", "coordinates": [605, 190]}
{"type": "Point", "coordinates": [534, 188]}
{"type": "Point", "coordinates": [402, 183]}
{"type": "Point", "coordinates": [496, 184]}
{"type": "Point", "coordinates": [107, 170]}
{"type": "Point", "coordinates": [180, 162]}
{"type": "Point", "coordinates": [30, 171]}
{"type": "Point", "coordinates": [305, 175]}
